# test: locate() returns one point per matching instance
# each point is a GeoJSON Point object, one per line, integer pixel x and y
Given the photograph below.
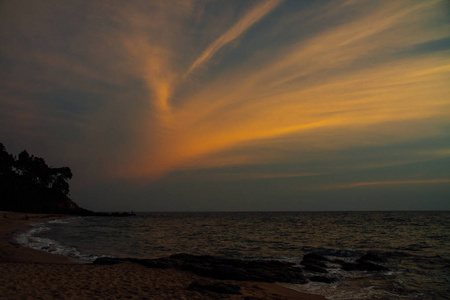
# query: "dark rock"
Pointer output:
{"type": "Point", "coordinates": [366, 263]}
{"type": "Point", "coordinates": [314, 262]}
{"type": "Point", "coordinates": [270, 263]}
{"type": "Point", "coordinates": [338, 261]}
{"type": "Point", "coordinates": [160, 263]}
{"type": "Point", "coordinates": [314, 256]}
{"type": "Point", "coordinates": [190, 257]}
{"type": "Point", "coordinates": [313, 268]}
{"type": "Point", "coordinates": [349, 267]}
{"type": "Point", "coordinates": [363, 266]}
{"type": "Point", "coordinates": [222, 268]}
{"type": "Point", "coordinates": [331, 252]}
{"type": "Point", "coordinates": [235, 269]}
{"type": "Point", "coordinates": [108, 261]}
{"type": "Point", "coordinates": [215, 287]}
{"type": "Point", "coordinates": [372, 256]}
{"type": "Point", "coordinates": [323, 279]}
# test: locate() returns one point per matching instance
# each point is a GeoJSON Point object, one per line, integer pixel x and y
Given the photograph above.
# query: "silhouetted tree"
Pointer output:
{"type": "Point", "coordinates": [6, 161]}
{"type": "Point", "coordinates": [23, 165]}
{"type": "Point", "coordinates": [61, 175]}
{"type": "Point", "coordinates": [28, 184]}
{"type": "Point", "coordinates": [36, 171]}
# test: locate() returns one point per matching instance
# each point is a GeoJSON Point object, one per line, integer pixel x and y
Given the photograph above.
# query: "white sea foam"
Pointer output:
{"type": "Point", "coordinates": [275, 236]}
{"type": "Point", "coordinates": [31, 240]}
{"type": "Point", "coordinates": [59, 221]}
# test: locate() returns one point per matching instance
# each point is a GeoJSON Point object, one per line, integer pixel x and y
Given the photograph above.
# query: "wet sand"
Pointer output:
{"type": "Point", "coordinates": [32, 274]}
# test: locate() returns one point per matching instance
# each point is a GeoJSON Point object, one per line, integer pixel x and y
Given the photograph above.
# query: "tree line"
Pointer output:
{"type": "Point", "coordinates": [34, 170]}
{"type": "Point", "coordinates": [27, 183]}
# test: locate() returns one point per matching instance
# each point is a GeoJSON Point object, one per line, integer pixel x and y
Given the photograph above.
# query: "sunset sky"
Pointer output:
{"type": "Point", "coordinates": [233, 105]}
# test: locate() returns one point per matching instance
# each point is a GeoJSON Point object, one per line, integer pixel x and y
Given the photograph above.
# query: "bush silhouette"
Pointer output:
{"type": "Point", "coordinates": [28, 184]}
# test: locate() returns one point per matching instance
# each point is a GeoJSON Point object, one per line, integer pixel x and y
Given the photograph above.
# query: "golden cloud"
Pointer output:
{"type": "Point", "coordinates": [348, 76]}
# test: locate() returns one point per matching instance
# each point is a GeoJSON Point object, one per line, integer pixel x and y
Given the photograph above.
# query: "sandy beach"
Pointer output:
{"type": "Point", "coordinates": [32, 274]}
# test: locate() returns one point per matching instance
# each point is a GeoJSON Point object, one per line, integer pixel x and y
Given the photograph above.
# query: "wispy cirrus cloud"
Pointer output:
{"type": "Point", "coordinates": [324, 77]}
{"type": "Point", "coordinates": [341, 78]}
{"type": "Point", "coordinates": [253, 16]}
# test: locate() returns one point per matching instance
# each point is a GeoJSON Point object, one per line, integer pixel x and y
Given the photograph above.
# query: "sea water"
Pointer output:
{"type": "Point", "coordinates": [416, 244]}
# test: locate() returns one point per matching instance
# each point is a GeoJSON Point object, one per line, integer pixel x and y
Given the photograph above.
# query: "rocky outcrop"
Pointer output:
{"type": "Point", "coordinates": [223, 268]}
{"type": "Point", "coordinates": [373, 257]}
{"type": "Point", "coordinates": [363, 266]}
{"type": "Point", "coordinates": [313, 267]}
{"type": "Point", "coordinates": [366, 263]}
{"type": "Point", "coordinates": [314, 257]}
{"type": "Point", "coordinates": [314, 262]}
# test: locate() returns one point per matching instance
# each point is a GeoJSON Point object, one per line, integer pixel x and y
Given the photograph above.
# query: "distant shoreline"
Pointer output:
{"type": "Point", "coordinates": [33, 273]}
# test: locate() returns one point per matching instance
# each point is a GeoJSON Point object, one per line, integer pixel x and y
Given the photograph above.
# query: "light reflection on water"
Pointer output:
{"type": "Point", "coordinates": [419, 242]}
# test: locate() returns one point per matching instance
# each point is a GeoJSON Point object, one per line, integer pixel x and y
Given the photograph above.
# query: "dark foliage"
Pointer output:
{"type": "Point", "coordinates": [28, 184]}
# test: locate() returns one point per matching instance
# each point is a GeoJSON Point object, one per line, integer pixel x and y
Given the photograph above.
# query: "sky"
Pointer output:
{"type": "Point", "coordinates": [233, 105]}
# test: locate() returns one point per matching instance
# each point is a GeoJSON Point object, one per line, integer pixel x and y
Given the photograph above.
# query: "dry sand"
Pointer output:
{"type": "Point", "coordinates": [32, 274]}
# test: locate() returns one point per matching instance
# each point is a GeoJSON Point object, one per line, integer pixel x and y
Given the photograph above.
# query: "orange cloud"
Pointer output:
{"type": "Point", "coordinates": [327, 81]}
{"type": "Point", "coordinates": [375, 183]}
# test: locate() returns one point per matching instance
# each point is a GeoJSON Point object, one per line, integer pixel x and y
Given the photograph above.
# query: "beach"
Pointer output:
{"type": "Point", "coordinates": [33, 274]}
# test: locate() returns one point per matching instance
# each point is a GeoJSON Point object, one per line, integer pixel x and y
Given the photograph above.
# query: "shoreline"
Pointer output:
{"type": "Point", "coordinates": [12, 223]}
{"type": "Point", "coordinates": [34, 273]}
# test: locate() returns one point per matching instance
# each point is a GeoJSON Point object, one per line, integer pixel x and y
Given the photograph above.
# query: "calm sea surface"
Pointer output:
{"type": "Point", "coordinates": [417, 244]}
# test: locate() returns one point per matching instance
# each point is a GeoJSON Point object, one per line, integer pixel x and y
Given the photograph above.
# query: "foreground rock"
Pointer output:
{"type": "Point", "coordinates": [313, 267]}
{"type": "Point", "coordinates": [318, 263]}
{"type": "Point", "coordinates": [372, 256]}
{"type": "Point", "coordinates": [363, 266]}
{"type": "Point", "coordinates": [369, 262]}
{"type": "Point", "coordinates": [314, 262]}
{"type": "Point", "coordinates": [222, 268]}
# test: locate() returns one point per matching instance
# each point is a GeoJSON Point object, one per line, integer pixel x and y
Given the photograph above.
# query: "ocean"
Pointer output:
{"type": "Point", "coordinates": [416, 245]}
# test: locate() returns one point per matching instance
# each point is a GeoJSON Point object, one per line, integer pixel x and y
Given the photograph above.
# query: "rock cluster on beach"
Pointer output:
{"type": "Point", "coordinates": [313, 267]}
{"type": "Point", "coordinates": [222, 268]}
{"type": "Point", "coordinates": [367, 262]}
